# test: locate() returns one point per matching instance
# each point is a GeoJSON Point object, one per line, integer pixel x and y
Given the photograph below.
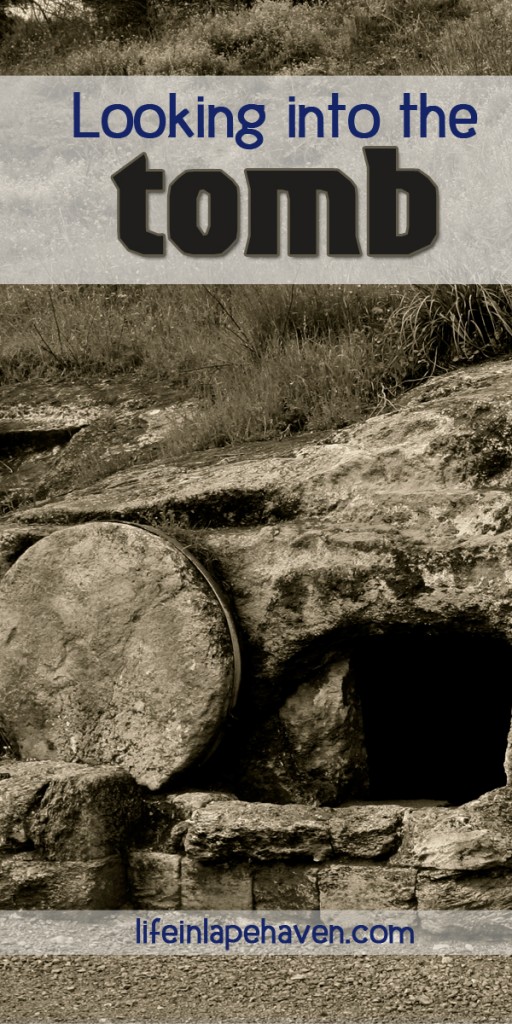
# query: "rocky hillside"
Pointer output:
{"type": "Point", "coordinates": [401, 523]}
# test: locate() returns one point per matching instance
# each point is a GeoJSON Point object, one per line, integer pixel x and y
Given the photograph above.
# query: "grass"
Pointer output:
{"type": "Point", "coordinates": [262, 361]}
{"type": "Point", "coordinates": [320, 37]}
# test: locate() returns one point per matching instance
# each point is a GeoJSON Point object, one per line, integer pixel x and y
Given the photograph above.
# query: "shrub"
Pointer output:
{"type": "Point", "coordinates": [262, 361]}
{"type": "Point", "coordinates": [437, 328]}
{"type": "Point", "coordinates": [266, 37]}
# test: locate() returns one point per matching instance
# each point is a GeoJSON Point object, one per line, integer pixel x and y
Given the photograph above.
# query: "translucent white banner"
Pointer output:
{"type": "Point", "coordinates": [206, 932]}
{"type": "Point", "coordinates": [374, 179]}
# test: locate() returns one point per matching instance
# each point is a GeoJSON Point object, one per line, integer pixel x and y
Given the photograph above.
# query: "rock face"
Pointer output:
{"type": "Point", "coordinates": [113, 648]}
{"type": "Point", "coordinates": [231, 830]}
{"type": "Point", "coordinates": [53, 434]}
{"type": "Point", "coordinates": [397, 530]}
{"type": "Point", "coordinates": [403, 522]}
{"type": "Point", "coordinates": [474, 837]}
{"type": "Point", "coordinates": [314, 746]}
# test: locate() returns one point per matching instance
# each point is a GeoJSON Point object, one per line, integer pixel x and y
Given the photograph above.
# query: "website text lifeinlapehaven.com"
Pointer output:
{"type": "Point", "coordinates": [230, 934]}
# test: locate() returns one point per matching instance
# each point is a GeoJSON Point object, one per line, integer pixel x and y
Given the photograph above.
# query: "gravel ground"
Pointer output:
{"type": "Point", "coordinates": [278, 990]}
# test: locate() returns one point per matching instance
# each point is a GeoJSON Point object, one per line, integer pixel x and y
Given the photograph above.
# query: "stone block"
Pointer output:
{"type": "Point", "coordinates": [166, 818]}
{"type": "Point", "coordinates": [154, 880]}
{"type": "Point", "coordinates": [365, 887]}
{"type": "Point", "coordinates": [27, 882]}
{"type": "Point", "coordinates": [286, 887]}
{"type": "Point", "coordinates": [367, 830]}
{"type": "Point", "coordinates": [215, 886]}
{"type": "Point", "coordinates": [474, 837]}
{"type": "Point", "coordinates": [256, 831]}
{"type": "Point", "coordinates": [66, 811]}
{"type": "Point", "coordinates": [491, 891]}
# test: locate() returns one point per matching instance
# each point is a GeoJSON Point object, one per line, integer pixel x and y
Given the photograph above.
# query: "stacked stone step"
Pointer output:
{"type": "Point", "coordinates": [203, 851]}
{"type": "Point", "coordinates": [64, 829]}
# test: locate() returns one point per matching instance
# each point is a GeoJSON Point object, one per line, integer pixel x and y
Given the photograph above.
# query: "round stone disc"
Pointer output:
{"type": "Point", "coordinates": [115, 646]}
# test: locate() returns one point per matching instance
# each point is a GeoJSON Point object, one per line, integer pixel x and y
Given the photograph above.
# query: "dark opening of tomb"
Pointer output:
{"type": "Point", "coordinates": [436, 713]}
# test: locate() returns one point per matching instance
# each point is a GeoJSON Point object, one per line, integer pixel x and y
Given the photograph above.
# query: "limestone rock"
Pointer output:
{"type": "Point", "coordinates": [186, 804]}
{"type": "Point", "coordinates": [166, 818]}
{"type": "Point", "coordinates": [29, 883]}
{"type": "Point", "coordinates": [488, 891]}
{"type": "Point", "coordinates": [55, 434]}
{"type": "Point", "coordinates": [474, 837]}
{"type": "Point", "coordinates": [404, 520]}
{"type": "Point", "coordinates": [222, 831]}
{"type": "Point", "coordinates": [324, 728]}
{"type": "Point", "coordinates": [508, 758]}
{"type": "Point", "coordinates": [67, 812]}
{"type": "Point", "coordinates": [368, 830]}
{"type": "Point", "coordinates": [14, 541]}
{"type": "Point", "coordinates": [154, 880]}
{"type": "Point", "coordinates": [314, 746]}
{"type": "Point", "coordinates": [351, 887]}
{"type": "Point", "coordinates": [113, 648]}
{"type": "Point", "coordinates": [215, 886]}
{"type": "Point", "coordinates": [286, 887]}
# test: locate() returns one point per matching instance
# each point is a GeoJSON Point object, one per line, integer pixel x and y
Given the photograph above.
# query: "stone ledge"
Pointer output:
{"type": "Point", "coordinates": [263, 832]}
{"type": "Point", "coordinates": [223, 831]}
{"type": "Point", "coordinates": [66, 812]}
{"type": "Point", "coordinates": [368, 830]}
{"type": "Point", "coordinates": [474, 837]}
{"type": "Point", "coordinates": [166, 818]}
{"type": "Point", "coordinates": [163, 881]}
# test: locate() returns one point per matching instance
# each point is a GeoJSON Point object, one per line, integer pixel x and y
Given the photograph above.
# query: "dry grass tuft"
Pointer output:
{"type": "Point", "coordinates": [262, 361]}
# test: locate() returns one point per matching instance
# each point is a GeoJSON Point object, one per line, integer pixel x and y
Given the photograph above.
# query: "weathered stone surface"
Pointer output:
{"type": "Point", "coordinates": [474, 837]}
{"type": "Point", "coordinates": [215, 887]}
{"type": "Point", "coordinates": [14, 541]}
{"type": "Point", "coordinates": [314, 746]}
{"type": "Point", "coordinates": [286, 887]}
{"type": "Point", "coordinates": [367, 830]}
{"type": "Point", "coordinates": [55, 434]}
{"type": "Point", "coordinates": [166, 818]}
{"type": "Point", "coordinates": [489, 891]}
{"type": "Point", "coordinates": [403, 519]}
{"type": "Point", "coordinates": [508, 758]}
{"type": "Point", "coordinates": [352, 887]}
{"type": "Point", "coordinates": [113, 648]}
{"type": "Point", "coordinates": [29, 883]}
{"type": "Point", "coordinates": [186, 804]}
{"type": "Point", "coordinates": [9, 749]}
{"type": "Point", "coordinates": [324, 728]}
{"type": "Point", "coordinates": [221, 831]}
{"type": "Point", "coordinates": [154, 880]}
{"type": "Point", "coordinates": [67, 812]}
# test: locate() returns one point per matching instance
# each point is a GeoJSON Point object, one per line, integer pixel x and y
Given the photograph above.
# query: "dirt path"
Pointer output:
{"type": "Point", "coordinates": [288, 989]}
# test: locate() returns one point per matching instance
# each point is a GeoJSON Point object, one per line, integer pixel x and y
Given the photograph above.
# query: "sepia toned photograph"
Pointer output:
{"type": "Point", "coordinates": [255, 595]}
